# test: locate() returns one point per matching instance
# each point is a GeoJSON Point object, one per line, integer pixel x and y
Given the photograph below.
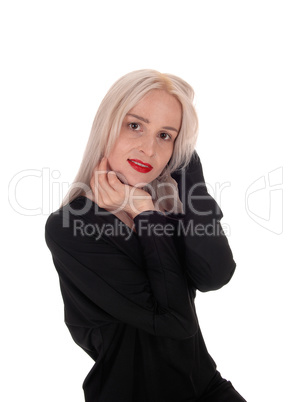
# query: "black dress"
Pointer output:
{"type": "Point", "coordinates": [129, 297]}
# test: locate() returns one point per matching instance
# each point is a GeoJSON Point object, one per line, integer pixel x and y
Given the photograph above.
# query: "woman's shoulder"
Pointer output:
{"type": "Point", "coordinates": [64, 215]}
{"type": "Point", "coordinates": [73, 222]}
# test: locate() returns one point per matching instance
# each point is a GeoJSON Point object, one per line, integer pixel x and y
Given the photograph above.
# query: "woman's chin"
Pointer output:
{"type": "Point", "coordinates": [131, 181]}
{"type": "Point", "coordinates": [142, 184]}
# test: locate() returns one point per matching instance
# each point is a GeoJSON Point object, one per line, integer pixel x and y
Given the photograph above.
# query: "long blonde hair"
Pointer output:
{"type": "Point", "coordinates": [124, 94]}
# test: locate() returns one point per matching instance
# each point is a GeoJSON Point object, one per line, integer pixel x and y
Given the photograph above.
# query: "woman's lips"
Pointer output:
{"type": "Point", "coordinates": [140, 166]}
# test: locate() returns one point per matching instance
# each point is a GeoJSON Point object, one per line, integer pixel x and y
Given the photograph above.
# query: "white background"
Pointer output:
{"type": "Point", "coordinates": [58, 60]}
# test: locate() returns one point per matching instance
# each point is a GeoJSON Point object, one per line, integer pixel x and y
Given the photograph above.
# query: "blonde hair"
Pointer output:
{"type": "Point", "coordinates": [124, 94]}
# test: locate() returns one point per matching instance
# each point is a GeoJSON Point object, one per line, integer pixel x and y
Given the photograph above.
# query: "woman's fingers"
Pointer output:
{"type": "Point", "coordinates": [99, 176]}
{"type": "Point", "coordinates": [110, 193]}
{"type": "Point", "coordinates": [101, 172]}
{"type": "Point", "coordinates": [120, 193]}
{"type": "Point", "coordinates": [114, 181]}
{"type": "Point", "coordinates": [103, 177]}
{"type": "Point", "coordinates": [108, 190]}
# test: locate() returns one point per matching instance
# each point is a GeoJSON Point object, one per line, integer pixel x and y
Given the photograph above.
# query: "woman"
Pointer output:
{"type": "Point", "coordinates": [129, 257]}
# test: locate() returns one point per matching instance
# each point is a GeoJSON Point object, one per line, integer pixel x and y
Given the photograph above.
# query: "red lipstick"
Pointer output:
{"type": "Point", "coordinates": [140, 166]}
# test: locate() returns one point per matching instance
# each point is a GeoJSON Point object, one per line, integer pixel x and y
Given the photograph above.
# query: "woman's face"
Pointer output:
{"type": "Point", "coordinates": [146, 139]}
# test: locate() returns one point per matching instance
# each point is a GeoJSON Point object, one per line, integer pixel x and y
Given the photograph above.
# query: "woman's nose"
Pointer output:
{"type": "Point", "coordinates": [148, 146]}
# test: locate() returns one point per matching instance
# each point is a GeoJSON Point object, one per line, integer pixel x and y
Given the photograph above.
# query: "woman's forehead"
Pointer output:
{"type": "Point", "coordinates": [158, 103]}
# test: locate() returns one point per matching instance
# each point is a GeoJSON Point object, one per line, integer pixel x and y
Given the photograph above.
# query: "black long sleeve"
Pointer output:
{"type": "Point", "coordinates": [100, 283]}
{"type": "Point", "coordinates": [129, 302]}
{"type": "Point", "coordinates": [205, 248]}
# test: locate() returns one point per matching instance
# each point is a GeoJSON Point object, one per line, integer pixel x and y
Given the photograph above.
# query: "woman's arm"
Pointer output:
{"type": "Point", "coordinates": [100, 282]}
{"type": "Point", "coordinates": [207, 255]}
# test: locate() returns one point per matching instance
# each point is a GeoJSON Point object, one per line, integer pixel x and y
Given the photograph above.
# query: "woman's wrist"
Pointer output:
{"type": "Point", "coordinates": [146, 207]}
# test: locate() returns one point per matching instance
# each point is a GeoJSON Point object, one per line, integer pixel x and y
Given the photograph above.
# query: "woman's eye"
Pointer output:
{"type": "Point", "coordinates": [134, 126]}
{"type": "Point", "coordinates": [165, 136]}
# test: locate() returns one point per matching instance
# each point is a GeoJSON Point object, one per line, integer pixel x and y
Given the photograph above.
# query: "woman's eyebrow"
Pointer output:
{"type": "Point", "coordinates": [170, 128]}
{"type": "Point", "coordinates": [139, 117]}
{"type": "Point", "coordinates": [147, 121]}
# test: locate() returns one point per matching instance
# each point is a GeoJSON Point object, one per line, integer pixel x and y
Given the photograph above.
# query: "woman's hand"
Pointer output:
{"type": "Point", "coordinates": [111, 194]}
